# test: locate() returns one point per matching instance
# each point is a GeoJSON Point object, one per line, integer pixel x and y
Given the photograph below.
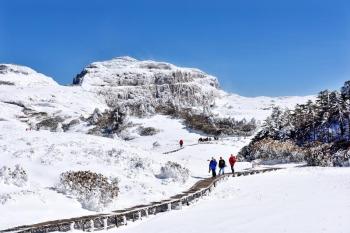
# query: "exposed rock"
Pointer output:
{"type": "Point", "coordinates": [108, 123]}
{"type": "Point", "coordinates": [51, 123]}
{"type": "Point", "coordinates": [72, 123]}
{"type": "Point", "coordinates": [7, 83]}
{"type": "Point", "coordinates": [19, 104]}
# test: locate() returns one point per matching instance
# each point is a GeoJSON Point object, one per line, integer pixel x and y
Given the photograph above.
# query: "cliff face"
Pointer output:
{"type": "Point", "coordinates": [143, 86]}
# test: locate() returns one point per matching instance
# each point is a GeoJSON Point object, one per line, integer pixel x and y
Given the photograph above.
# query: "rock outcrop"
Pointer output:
{"type": "Point", "coordinates": [143, 86]}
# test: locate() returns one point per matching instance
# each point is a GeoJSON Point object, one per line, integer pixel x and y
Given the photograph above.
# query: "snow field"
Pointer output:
{"type": "Point", "coordinates": [45, 155]}
{"type": "Point", "coordinates": [304, 200]}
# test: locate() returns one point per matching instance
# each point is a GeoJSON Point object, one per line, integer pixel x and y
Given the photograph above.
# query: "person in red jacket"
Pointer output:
{"type": "Point", "coordinates": [181, 142]}
{"type": "Point", "coordinates": [232, 161]}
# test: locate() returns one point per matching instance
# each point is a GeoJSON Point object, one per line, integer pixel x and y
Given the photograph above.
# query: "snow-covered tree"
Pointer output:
{"type": "Point", "coordinates": [314, 124]}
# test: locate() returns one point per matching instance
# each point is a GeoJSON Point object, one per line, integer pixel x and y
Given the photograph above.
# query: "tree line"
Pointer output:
{"type": "Point", "coordinates": [325, 120]}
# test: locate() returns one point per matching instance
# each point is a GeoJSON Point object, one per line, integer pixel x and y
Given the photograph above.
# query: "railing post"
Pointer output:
{"type": "Point", "coordinates": [169, 206]}
{"type": "Point", "coordinates": [124, 220]}
{"type": "Point", "coordinates": [140, 215]}
{"type": "Point", "coordinates": [72, 226]}
{"type": "Point", "coordinates": [92, 225]}
{"type": "Point", "coordinates": [105, 223]}
{"type": "Point", "coordinates": [116, 220]}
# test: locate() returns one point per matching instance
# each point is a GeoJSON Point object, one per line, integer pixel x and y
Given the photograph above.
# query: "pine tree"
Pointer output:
{"type": "Point", "coordinates": [310, 117]}
{"type": "Point", "coordinates": [345, 91]}
{"type": "Point", "coordinates": [345, 94]}
{"type": "Point", "coordinates": [323, 110]}
{"type": "Point", "coordinates": [273, 123]}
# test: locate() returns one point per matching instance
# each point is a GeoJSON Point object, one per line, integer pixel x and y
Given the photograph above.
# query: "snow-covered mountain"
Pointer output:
{"type": "Point", "coordinates": [23, 76]}
{"type": "Point", "coordinates": [143, 86]}
{"type": "Point", "coordinates": [30, 97]}
{"type": "Point", "coordinates": [31, 102]}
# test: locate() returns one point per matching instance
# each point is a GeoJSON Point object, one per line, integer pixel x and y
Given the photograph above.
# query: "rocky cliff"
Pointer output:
{"type": "Point", "coordinates": [145, 86]}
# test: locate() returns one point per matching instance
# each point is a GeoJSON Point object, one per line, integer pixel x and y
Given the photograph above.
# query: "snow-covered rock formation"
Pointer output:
{"type": "Point", "coordinates": [23, 76]}
{"type": "Point", "coordinates": [144, 86]}
{"type": "Point", "coordinates": [37, 101]}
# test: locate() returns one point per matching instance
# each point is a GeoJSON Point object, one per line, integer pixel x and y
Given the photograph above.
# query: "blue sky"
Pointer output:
{"type": "Point", "coordinates": [254, 47]}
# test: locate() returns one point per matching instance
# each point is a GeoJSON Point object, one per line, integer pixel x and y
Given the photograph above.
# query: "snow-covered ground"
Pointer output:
{"type": "Point", "coordinates": [304, 200]}
{"type": "Point", "coordinates": [45, 155]}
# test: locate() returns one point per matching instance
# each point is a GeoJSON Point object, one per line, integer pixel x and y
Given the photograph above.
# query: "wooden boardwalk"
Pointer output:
{"type": "Point", "coordinates": [181, 148]}
{"type": "Point", "coordinates": [121, 217]}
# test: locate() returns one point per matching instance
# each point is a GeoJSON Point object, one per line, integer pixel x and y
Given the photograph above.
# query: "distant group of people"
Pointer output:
{"type": "Point", "coordinates": [222, 164]}
{"type": "Point", "coordinates": [207, 139]}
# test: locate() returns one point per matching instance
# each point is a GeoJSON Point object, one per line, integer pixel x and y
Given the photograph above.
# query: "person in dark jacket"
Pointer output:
{"type": "Point", "coordinates": [232, 161]}
{"type": "Point", "coordinates": [212, 166]}
{"type": "Point", "coordinates": [222, 165]}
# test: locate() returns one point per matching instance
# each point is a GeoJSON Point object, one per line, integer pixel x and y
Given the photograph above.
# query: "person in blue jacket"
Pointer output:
{"type": "Point", "coordinates": [212, 166]}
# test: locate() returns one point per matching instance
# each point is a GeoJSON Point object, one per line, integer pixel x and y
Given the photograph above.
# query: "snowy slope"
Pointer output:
{"type": "Point", "coordinates": [28, 97]}
{"type": "Point", "coordinates": [260, 108]}
{"type": "Point", "coordinates": [23, 76]}
{"type": "Point", "coordinates": [40, 96]}
{"type": "Point", "coordinates": [284, 201]}
{"type": "Point", "coordinates": [194, 156]}
{"type": "Point", "coordinates": [45, 155]}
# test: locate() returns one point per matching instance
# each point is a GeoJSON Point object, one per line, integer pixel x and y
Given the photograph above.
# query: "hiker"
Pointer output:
{"type": "Point", "coordinates": [181, 143]}
{"type": "Point", "coordinates": [212, 166]}
{"type": "Point", "coordinates": [232, 161]}
{"type": "Point", "coordinates": [222, 166]}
